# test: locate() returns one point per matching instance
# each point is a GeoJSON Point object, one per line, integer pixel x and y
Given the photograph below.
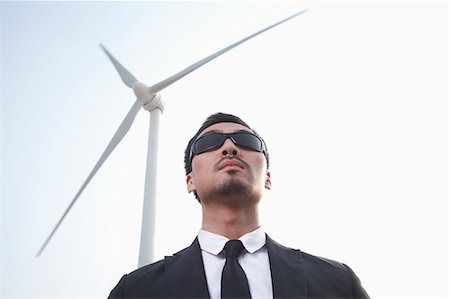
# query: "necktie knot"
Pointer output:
{"type": "Point", "coordinates": [233, 248]}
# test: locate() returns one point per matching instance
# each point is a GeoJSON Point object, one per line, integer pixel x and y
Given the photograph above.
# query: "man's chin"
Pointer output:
{"type": "Point", "coordinates": [233, 187]}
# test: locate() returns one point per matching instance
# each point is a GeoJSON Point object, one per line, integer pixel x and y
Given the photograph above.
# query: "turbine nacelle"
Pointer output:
{"type": "Point", "coordinates": [150, 100]}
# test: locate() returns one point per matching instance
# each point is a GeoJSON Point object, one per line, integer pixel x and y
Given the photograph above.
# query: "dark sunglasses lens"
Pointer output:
{"type": "Point", "coordinates": [207, 143]}
{"type": "Point", "coordinates": [248, 140]}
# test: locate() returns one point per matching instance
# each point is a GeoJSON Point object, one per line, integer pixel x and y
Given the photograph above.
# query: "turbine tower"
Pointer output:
{"type": "Point", "coordinates": [149, 99]}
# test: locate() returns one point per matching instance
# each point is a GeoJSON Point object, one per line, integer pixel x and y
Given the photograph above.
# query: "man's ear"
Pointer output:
{"type": "Point", "coordinates": [268, 183]}
{"type": "Point", "coordinates": [190, 182]}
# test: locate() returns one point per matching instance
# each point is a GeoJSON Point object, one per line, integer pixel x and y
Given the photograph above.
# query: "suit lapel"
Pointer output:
{"type": "Point", "coordinates": [185, 273]}
{"type": "Point", "coordinates": [288, 272]}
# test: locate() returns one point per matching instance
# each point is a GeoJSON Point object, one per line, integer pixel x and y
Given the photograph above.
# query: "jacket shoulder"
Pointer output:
{"type": "Point", "coordinates": [319, 277]}
{"type": "Point", "coordinates": [322, 263]}
{"type": "Point", "coordinates": [142, 282]}
{"type": "Point", "coordinates": [324, 274]}
{"type": "Point", "coordinates": [146, 282]}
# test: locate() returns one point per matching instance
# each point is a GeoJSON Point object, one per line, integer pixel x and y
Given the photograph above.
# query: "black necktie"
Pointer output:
{"type": "Point", "coordinates": [234, 281]}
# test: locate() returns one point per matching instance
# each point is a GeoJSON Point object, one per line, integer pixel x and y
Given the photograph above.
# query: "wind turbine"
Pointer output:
{"type": "Point", "coordinates": [149, 99]}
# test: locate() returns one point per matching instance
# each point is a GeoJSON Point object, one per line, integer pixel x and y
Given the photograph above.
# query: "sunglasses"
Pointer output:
{"type": "Point", "coordinates": [213, 141]}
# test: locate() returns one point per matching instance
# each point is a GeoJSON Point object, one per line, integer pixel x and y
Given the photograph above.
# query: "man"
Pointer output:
{"type": "Point", "coordinates": [226, 165]}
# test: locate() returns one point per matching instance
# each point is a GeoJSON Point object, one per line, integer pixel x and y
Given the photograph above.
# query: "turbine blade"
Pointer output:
{"type": "Point", "coordinates": [124, 74]}
{"type": "Point", "coordinates": [163, 84]}
{"type": "Point", "coordinates": [118, 136]}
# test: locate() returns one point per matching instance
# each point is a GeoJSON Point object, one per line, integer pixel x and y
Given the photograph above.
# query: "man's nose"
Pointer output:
{"type": "Point", "coordinates": [229, 148]}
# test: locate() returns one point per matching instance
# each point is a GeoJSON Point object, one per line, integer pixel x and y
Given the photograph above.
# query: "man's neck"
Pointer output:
{"type": "Point", "coordinates": [230, 222]}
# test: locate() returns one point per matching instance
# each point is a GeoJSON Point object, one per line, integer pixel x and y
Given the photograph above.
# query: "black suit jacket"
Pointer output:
{"type": "Point", "coordinates": [295, 274]}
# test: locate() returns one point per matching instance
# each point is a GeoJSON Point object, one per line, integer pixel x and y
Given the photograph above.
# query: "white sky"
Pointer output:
{"type": "Point", "coordinates": [351, 97]}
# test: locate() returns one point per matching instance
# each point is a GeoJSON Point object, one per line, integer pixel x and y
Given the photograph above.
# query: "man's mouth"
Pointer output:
{"type": "Point", "coordinates": [231, 164]}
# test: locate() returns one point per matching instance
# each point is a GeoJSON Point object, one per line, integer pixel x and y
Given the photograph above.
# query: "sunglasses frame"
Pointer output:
{"type": "Point", "coordinates": [230, 136]}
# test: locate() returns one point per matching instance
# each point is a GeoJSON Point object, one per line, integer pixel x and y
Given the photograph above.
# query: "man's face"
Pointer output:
{"type": "Point", "coordinates": [230, 172]}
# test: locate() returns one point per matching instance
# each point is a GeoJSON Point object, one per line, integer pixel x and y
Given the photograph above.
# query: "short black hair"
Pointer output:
{"type": "Point", "coordinates": [215, 118]}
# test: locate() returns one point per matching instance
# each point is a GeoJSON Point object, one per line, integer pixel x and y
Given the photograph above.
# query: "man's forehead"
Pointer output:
{"type": "Point", "coordinates": [224, 127]}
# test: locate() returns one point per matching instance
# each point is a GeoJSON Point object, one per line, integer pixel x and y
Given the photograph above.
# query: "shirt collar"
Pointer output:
{"type": "Point", "coordinates": [214, 243]}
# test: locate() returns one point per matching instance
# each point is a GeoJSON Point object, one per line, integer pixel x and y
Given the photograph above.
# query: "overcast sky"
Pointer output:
{"type": "Point", "coordinates": [351, 98]}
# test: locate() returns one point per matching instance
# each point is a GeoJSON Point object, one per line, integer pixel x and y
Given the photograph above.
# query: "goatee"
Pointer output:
{"type": "Point", "coordinates": [233, 187]}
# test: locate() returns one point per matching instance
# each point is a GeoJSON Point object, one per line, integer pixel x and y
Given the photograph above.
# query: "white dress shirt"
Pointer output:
{"type": "Point", "coordinates": [254, 260]}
